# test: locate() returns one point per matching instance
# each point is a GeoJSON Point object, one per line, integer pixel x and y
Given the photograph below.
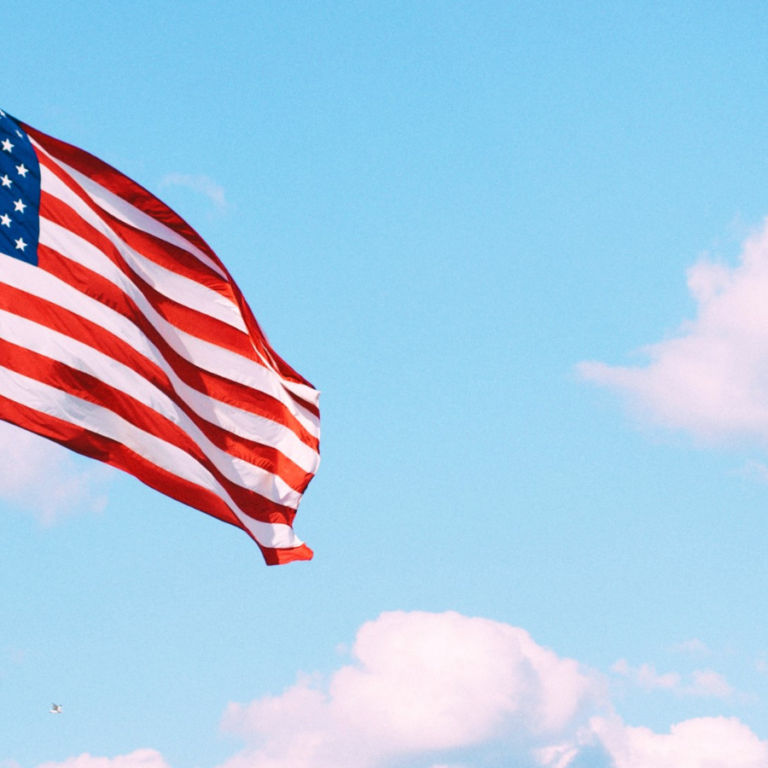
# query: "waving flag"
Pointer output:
{"type": "Point", "coordinates": [124, 338]}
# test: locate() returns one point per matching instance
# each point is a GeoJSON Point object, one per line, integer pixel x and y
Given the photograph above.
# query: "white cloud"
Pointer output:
{"type": "Point", "coordinates": [41, 477]}
{"type": "Point", "coordinates": [754, 470]}
{"type": "Point", "coordinates": [141, 758]}
{"type": "Point", "coordinates": [646, 676]}
{"type": "Point", "coordinates": [693, 646]}
{"type": "Point", "coordinates": [558, 755]}
{"type": "Point", "coordinates": [711, 379]}
{"type": "Point", "coordinates": [197, 183]}
{"type": "Point", "coordinates": [706, 742]}
{"type": "Point", "coordinates": [704, 683]}
{"type": "Point", "coordinates": [15, 656]}
{"type": "Point", "coordinates": [420, 682]}
{"type": "Point", "coordinates": [448, 691]}
{"type": "Point", "coordinates": [707, 683]}
{"type": "Point", "coordinates": [443, 765]}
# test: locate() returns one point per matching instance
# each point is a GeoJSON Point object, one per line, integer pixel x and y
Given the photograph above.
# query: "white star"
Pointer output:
{"type": "Point", "coordinates": [5, 181]}
{"type": "Point", "coordinates": [2, 114]}
{"type": "Point", "coordinates": [7, 146]}
{"type": "Point", "coordinates": [20, 244]}
{"type": "Point", "coordinates": [19, 206]}
{"type": "Point", "coordinates": [20, 134]}
{"type": "Point", "coordinates": [21, 170]}
{"type": "Point", "coordinates": [5, 220]}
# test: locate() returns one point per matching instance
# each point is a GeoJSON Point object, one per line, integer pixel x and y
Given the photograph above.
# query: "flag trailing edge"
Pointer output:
{"type": "Point", "coordinates": [124, 338]}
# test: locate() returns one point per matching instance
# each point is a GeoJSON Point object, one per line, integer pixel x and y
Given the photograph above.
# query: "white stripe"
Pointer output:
{"type": "Point", "coordinates": [79, 250]}
{"type": "Point", "coordinates": [211, 302]}
{"type": "Point", "coordinates": [310, 394]}
{"type": "Point", "coordinates": [234, 367]}
{"type": "Point", "coordinates": [49, 400]}
{"type": "Point", "coordinates": [171, 284]}
{"type": "Point", "coordinates": [198, 352]}
{"type": "Point", "coordinates": [127, 213]}
{"type": "Point", "coordinates": [81, 357]}
{"type": "Point", "coordinates": [38, 282]}
{"type": "Point", "coordinates": [249, 425]}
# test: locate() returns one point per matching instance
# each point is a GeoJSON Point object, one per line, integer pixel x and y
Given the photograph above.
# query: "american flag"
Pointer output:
{"type": "Point", "coordinates": [124, 338]}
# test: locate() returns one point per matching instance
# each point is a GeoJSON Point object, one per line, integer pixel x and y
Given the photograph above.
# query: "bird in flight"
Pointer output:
{"type": "Point", "coordinates": [55, 709]}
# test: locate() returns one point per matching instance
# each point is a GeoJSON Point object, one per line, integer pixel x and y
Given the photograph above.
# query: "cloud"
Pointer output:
{"type": "Point", "coordinates": [202, 184]}
{"type": "Point", "coordinates": [711, 378]}
{"type": "Point", "coordinates": [15, 656]}
{"type": "Point", "coordinates": [693, 646]}
{"type": "Point", "coordinates": [44, 478]}
{"type": "Point", "coordinates": [704, 683]}
{"type": "Point", "coordinates": [646, 676]}
{"type": "Point", "coordinates": [705, 742]}
{"type": "Point", "coordinates": [141, 758]}
{"type": "Point", "coordinates": [449, 691]}
{"type": "Point", "coordinates": [754, 470]}
{"type": "Point", "coordinates": [419, 683]}
{"type": "Point", "coordinates": [707, 683]}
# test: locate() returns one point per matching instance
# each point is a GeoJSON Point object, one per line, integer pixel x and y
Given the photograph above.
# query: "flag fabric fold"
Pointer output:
{"type": "Point", "coordinates": [124, 338]}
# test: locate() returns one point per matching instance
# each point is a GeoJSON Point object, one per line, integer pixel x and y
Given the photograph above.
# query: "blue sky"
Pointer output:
{"type": "Point", "coordinates": [464, 223]}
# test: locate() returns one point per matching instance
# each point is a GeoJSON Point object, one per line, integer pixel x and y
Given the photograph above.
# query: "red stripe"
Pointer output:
{"type": "Point", "coordinates": [207, 383]}
{"type": "Point", "coordinates": [88, 388]}
{"type": "Point", "coordinates": [183, 317]}
{"type": "Point", "coordinates": [140, 198]}
{"type": "Point", "coordinates": [285, 370]}
{"type": "Point", "coordinates": [232, 292]}
{"type": "Point", "coordinates": [117, 455]}
{"type": "Point", "coordinates": [135, 195]}
{"type": "Point", "coordinates": [127, 189]}
{"type": "Point", "coordinates": [287, 555]}
{"type": "Point", "coordinates": [163, 253]}
{"type": "Point", "coordinates": [68, 323]}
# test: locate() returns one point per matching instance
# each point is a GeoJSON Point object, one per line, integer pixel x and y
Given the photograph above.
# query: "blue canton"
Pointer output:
{"type": "Point", "coordinates": [19, 193]}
